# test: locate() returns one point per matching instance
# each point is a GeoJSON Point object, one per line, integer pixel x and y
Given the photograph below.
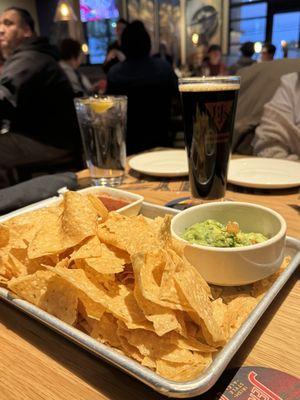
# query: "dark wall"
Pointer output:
{"type": "Point", "coordinates": [46, 10]}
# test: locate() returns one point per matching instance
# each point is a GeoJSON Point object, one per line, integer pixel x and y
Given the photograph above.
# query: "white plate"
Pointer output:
{"type": "Point", "coordinates": [161, 163]}
{"type": "Point", "coordinates": [268, 173]}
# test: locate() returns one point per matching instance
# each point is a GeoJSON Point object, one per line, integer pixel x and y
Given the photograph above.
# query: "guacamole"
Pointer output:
{"type": "Point", "coordinates": [213, 233]}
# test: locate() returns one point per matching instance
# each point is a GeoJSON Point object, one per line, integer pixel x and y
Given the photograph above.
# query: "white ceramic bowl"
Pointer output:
{"type": "Point", "coordinates": [129, 210]}
{"type": "Point", "coordinates": [235, 265]}
{"type": "Point", "coordinates": [133, 208]}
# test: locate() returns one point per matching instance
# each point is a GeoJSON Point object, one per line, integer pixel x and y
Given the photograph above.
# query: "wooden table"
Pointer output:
{"type": "Point", "coordinates": [36, 363]}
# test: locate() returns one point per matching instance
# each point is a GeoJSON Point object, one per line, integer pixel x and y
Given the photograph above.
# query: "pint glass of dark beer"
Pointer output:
{"type": "Point", "coordinates": [209, 105]}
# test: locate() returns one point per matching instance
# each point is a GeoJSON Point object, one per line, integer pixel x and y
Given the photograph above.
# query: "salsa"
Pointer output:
{"type": "Point", "coordinates": [113, 203]}
{"type": "Point", "coordinates": [213, 233]}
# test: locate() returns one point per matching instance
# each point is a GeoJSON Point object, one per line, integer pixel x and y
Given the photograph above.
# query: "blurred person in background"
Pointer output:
{"type": "Point", "coordinates": [245, 60]}
{"type": "Point", "coordinates": [163, 53]}
{"type": "Point", "coordinates": [267, 52]}
{"type": "Point", "coordinates": [71, 59]}
{"type": "Point", "coordinates": [35, 97]}
{"type": "Point", "coordinates": [278, 134]}
{"type": "Point", "coordinates": [212, 64]}
{"type": "Point", "coordinates": [114, 51]}
{"type": "Point", "coordinates": [149, 83]}
{"type": "Point", "coordinates": [196, 59]}
{"type": "Point", "coordinates": [257, 89]}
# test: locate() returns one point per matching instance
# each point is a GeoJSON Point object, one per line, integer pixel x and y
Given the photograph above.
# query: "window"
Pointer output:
{"type": "Point", "coordinates": [247, 23]}
{"type": "Point", "coordinates": [248, 11]}
{"type": "Point", "coordinates": [99, 18]}
{"type": "Point", "coordinates": [242, 1]}
{"type": "Point", "coordinates": [286, 29]}
{"type": "Point", "coordinates": [95, 10]}
{"type": "Point", "coordinates": [99, 35]}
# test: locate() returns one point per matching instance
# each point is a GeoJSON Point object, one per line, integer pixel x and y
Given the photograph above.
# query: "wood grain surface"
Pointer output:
{"type": "Point", "coordinates": [36, 363]}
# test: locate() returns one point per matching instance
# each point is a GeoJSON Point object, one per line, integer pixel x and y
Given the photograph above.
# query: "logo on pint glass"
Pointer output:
{"type": "Point", "coordinates": [219, 112]}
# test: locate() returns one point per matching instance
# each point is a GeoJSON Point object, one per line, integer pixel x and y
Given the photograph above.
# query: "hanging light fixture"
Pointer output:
{"type": "Point", "coordinates": [85, 48]}
{"type": "Point", "coordinates": [64, 12]}
{"type": "Point", "coordinates": [195, 38]}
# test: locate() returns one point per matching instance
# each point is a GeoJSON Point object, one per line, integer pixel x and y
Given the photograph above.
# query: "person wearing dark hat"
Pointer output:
{"type": "Point", "coordinates": [149, 83]}
{"type": "Point", "coordinates": [36, 99]}
{"type": "Point", "coordinates": [247, 52]}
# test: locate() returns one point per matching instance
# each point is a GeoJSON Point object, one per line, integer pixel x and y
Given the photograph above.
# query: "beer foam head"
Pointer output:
{"type": "Point", "coordinates": [208, 86]}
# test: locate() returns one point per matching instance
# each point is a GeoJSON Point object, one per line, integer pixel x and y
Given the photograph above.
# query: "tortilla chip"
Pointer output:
{"type": "Point", "coordinates": [123, 305]}
{"type": "Point", "coordinates": [31, 287]}
{"type": "Point", "coordinates": [148, 362]}
{"type": "Point", "coordinates": [149, 269]}
{"type": "Point", "coordinates": [106, 330]}
{"type": "Point", "coordinates": [100, 208]}
{"type": "Point", "coordinates": [202, 313]}
{"type": "Point", "coordinates": [128, 349]}
{"type": "Point", "coordinates": [93, 298]}
{"type": "Point", "coordinates": [60, 300]}
{"type": "Point", "coordinates": [131, 234]}
{"type": "Point", "coordinates": [108, 263]}
{"type": "Point", "coordinates": [91, 247]}
{"type": "Point", "coordinates": [124, 281]}
{"type": "Point", "coordinates": [238, 310]}
{"type": "Point", "coordinates": [261, 287]}
{"type": "Point", "coordinates": [148, 343]}
{"type": "Point", "coordinates": [4, 235]}
{"type": "Point", "coordinates": [3, 281]}
{"type": "Point", "coordinates": [96, 257]}
{"type": "Point", "coordinates": [190, 343]}
{"type": "Point", "coordinates": [84, 322]}
{"type": "Point", "coordinates": [164, 320]}
{"type": "Point", "coordinates": [49, 292]}
{"type": "Point", "coordinates": [221, 316]}
{"type": "Point", "coordinates": [183, 372]}
{"type": "Point", "coordinates": [59, 232]}
{"type": "Point", "coordinates": [16, 267]}
{"type": "Point", "coordinates": [24, 227]}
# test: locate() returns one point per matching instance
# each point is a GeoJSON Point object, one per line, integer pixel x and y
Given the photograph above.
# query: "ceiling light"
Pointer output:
{"type": "Point", "coordinates": [64, 12]}
{"type": "Point", "coordinates": [257, 47]}
{"type": "Point", "coordinates": [85, 48]}
{"type": "Point", "coordinates": [195, 38]}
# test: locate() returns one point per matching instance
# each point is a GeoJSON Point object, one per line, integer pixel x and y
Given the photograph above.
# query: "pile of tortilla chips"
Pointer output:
{"type": "Point", "coordinates": [123, 281]}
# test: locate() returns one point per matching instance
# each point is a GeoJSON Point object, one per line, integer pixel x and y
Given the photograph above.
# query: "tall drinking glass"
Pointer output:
{"type": "Point", "coordinates": [102, 122]}
{"type": "Point", "coordinates": [209, 106]}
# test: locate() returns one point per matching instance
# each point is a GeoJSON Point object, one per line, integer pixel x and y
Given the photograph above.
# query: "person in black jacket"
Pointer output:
{"type": "Point", "coordinates": [37, 115]}
{"type": "Point", "coordinates": [149, 84]}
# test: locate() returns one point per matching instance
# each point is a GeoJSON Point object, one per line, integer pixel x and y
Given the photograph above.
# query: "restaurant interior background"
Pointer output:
{"type": "Point", "coordinates": [186, 27]}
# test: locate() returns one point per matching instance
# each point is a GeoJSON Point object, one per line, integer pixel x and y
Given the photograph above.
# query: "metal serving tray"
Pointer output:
{"type": "Point", "coordinates": [169, 388]}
